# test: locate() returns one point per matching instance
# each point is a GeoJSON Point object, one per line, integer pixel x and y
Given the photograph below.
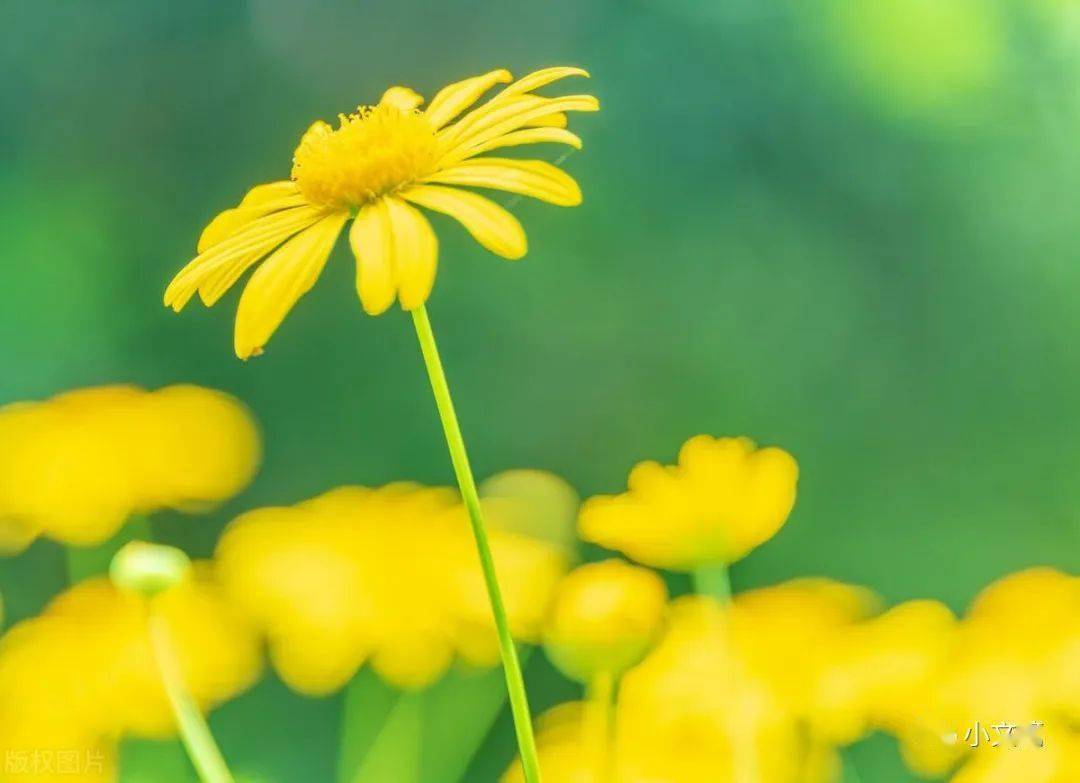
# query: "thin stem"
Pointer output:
{"type": "Point", "coordinates": [599, 725]}
{"type": "Point", "coordinates": [714, 580]}
{"type": "Point", "coordinates": [515, 683]}
{"type": "Point", "coordinates": [194, 732]}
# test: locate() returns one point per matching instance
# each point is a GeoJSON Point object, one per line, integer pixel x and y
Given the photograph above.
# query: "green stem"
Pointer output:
{"type": "Point", "coordinates": [515, 683]}
{"type": "Point", "coordinates": [85, 562]}
{"type": "Point", "coordinates": [600, 725]}
{"type": "Point", "coordinates": [194, 732]}
{"type": "Point", "coordinates": [715, 581]}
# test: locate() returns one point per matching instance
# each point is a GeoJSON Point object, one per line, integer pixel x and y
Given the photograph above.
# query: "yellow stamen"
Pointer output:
{"type": "Point", "coordinates": [374, 152]}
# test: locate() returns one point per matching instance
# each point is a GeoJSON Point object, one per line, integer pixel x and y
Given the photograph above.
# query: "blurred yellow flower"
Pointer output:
{"type": "Point", "coordinates": [603, 619]}
{"type": "Point", "coordinates": [1011, 679]}
{"type": "Point", "coordinates": [76, 467]}
{"type": "Point", "coordinates": [874, 674]}
{"type": "Point", "coordinates": [724, 498]}
{"type": "Point", "coordinates": [387, 576]}
{"type": "Point", "coordinates": [721, 698]}
{"type": "Point", "coordinates": [82, 674]}
{"type": "Point", "coordinates": [375, 168]}
{"type": "Point", "coordinates": [725, 697]}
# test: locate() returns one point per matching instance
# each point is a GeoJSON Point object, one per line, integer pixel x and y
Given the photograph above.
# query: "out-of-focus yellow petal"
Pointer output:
{"type": "Point", "coordinates": [372, 241]}
{"type": "Point", "coordinates": [453, 99]}
{"type": "Point", "coordinates": [387, 576]}
{"type": "Point", "coordinates": [277, 284]}
{"type": "Point", "coordinates": [490, 225]}
{"type": "Point", "coordinates": [202, 448]}
{"type": "Point", "coordinates": [533, 503]}
{"type": "Point", "coordinates": [415, 252]}
{"type": "Point", "coordinates": [84, 672]}
{"type": "Point", "coordinates": [535, 178]}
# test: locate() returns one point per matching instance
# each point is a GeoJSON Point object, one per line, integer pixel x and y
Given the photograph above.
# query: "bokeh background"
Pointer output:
{"type": "Point", "coordinates": [848, 228]}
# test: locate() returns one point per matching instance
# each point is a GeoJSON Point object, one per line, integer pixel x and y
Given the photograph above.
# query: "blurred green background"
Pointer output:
{"type": "Point", "coordinates": [844, 227]}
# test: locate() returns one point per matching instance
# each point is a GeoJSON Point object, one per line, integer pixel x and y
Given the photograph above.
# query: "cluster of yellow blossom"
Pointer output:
{"type": "Point", "coordinates": [82, 674]}
{"type": "Point", "coordinates": [768, 688]}
{"type": "Point", "coordinates": [724, 498]}
{"type": "Point", "coordinates": [388, 576]}
{"type": "Point", "coordinates": [77, 466]}
{"type": "Point", "coordinates": [1007, 704]}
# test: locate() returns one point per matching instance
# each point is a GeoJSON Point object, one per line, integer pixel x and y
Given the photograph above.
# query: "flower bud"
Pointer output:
{"type": "Point", "coordinates": [148, 569]}
{"type": "Point", "coordinates": [604, 619]}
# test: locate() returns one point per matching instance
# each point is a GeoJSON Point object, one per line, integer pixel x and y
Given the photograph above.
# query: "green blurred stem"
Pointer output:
{"type": "Point", "coordinates": [397, 753]}
{"type": "Point", "coordinates": [715, 581]}
{"type": "Point", "coordinates": [599, 725]}
{"type": "Point", "coordinates": [85, 562]}
{"type": "Point", "coordinates": [194, 732]}
{"type": "Point", "coordinates": [515, 683]}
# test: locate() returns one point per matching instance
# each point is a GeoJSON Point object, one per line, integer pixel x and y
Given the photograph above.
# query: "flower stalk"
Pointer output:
{"type": "Point", "coordinates": [599, 725]}
{"type": "Point", "coordinates": [515, 682]}
{"type": "Point", "coordinates": [194, 732]}
{"type": "Point", "coordinates": [714, 580]}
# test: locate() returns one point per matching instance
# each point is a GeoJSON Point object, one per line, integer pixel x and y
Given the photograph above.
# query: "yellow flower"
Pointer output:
{"type": "Point", "coordinates": [76, 467]}
{"type": "Point", "coordinates": [82, 674]}
{"type": "Point", "coordinates": [387, 576]}
{"type": "Point", "coordinates": [724, 498]}
{"type": "Point", "coordinates": [713, 702]}
{"type": "Point", "coordinates": [875, 673]}
{"type": "Point", "coordinates": [1013, 662]}
{"type": "Point", "coordinates": [375, 168]}
{"type": "Point", "coordinates": [603, 619]}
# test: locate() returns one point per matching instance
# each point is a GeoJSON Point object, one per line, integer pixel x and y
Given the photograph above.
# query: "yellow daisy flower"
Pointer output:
{"type": "Point", "coordinates": [376, 168]}
{"type": "Point", "coordinates": [385, 576]}
{"type": "Point", "coordinates": [724, 498]}
{"type": "Point", "coordinates": [76, 467]}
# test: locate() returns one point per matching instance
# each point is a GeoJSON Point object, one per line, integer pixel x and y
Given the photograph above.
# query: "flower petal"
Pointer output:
{"type": "Point", "coordinates": [534, 178]}
{"type": "Point", "coordinates": [515, 114]}
{"type": "Point", "coordinates": [541, 78]}
{"type": "Point", "coordinates": [401, 98]}
{"type": "Point", "coordinates": [557, 120]}
{"type": "Point", "coordinates": [372, 241]}
{"type": "Point", "coordinates": [244, 247]}
{"type": "Point", "coordinates": [542, 135]}
{"type": "Point", "coordinates": [259, 201]}
{"type": "Point", "coordinates": [490, 225]}
{"type": "Point", "coordinates": [416, 252]}
{"type": "Point", "coordinates": [456, 98]}
{"type": "Point", "coordinates": [276, 286]}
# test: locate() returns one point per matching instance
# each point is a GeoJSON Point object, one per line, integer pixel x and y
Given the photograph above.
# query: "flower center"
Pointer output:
{"type": "Point", "coordinates": [374, 152]}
